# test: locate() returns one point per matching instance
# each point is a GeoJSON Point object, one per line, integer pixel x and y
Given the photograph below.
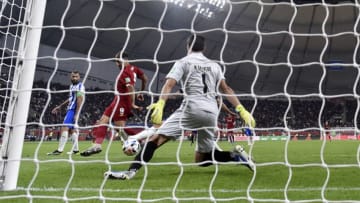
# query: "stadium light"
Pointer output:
{"type": "Point", "coordinates": [205, 8]}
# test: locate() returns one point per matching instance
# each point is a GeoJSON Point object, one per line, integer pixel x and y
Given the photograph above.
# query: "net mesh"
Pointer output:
{"type": "Point", "coordinates": [293, 64]}
{"type": "Point", "coordinates": [11, 26]}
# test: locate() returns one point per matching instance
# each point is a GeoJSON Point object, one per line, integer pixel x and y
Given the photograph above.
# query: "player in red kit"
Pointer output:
{"type": "Point", "coordinates": [230, 125]}
{"type": "Point", "coordinates": [120, 108]}
{"type": "Point", "coordinates": [327, 130]}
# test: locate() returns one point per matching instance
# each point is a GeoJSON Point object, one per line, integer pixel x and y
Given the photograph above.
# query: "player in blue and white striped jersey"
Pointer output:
{"type": "Point", "coordinates": [74, 102]}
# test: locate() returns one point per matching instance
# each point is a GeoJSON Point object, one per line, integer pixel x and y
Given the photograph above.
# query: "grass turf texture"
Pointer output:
{"type": "Point", "coordinates": [166, 180]}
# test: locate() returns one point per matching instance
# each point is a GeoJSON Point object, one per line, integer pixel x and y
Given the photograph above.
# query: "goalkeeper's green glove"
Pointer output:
{"type": "Point", "coordinates": [246, 116]}
{"type": "Point", "coordinates": [157, 114]}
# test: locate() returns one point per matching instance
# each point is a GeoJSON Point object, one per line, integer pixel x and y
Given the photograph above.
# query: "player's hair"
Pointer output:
{"type": "Point", "coordinates": [75, 71]}
{"type": "Point", "coordinates": [124, 55]}
{"type": "Point", "coordinates": [199, 43]}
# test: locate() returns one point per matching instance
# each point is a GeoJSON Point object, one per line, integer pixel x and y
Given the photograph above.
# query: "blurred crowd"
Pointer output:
{"type": "Point", "coordinates": [269, 113]}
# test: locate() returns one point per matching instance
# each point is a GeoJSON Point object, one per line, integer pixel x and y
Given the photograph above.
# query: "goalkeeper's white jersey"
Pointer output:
{"type": "Point", "coordinates": [199, 78]}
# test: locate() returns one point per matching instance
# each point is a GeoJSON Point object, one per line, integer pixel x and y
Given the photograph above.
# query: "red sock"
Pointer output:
{"type": "Point", "coordinates": [130, 131]}
{"type": "Point", "coordinates": [100, 133]}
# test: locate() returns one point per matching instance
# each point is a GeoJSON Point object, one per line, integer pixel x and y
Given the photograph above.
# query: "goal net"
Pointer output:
{"type": "Point", "coordinates": [293, 64]}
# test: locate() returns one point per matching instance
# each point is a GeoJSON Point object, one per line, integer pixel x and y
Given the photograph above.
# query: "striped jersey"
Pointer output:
{"type": "Point", "coordinates": [199, 77]}
{"type": "Point", "coordinates": [74, 89]}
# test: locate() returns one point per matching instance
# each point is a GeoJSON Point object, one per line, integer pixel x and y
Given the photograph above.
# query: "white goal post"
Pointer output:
{"type": "Point", "coordinates": [19, 99]}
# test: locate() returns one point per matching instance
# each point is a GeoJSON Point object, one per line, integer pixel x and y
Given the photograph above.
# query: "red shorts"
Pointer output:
{"type": "Point", "coordinates": [121, 111]}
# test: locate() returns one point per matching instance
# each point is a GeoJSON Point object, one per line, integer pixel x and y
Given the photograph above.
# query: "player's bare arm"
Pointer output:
{"type": "Point", "coordinates": [167, 88]}
{"type": "Point", "coordinates": [244, 114]}
{"type": "Point", "coordinates": [131, 89]}
{"type": "Point", "coordinates": [79, 102]}
{"type": "Point", "coordinates": [57, 108]}
{"type": "Point", "coordinates": [227, 110]}
{"type": "Point", "coordinates": [229, 93]}
{"type": "Point", "coordinates": [144, 81]}
{"type": "Point", "coordinates": [224, 107]}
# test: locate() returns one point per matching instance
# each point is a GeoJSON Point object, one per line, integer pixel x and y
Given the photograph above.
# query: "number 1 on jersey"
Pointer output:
{"type": "Point", "coordinates": [204, 82]}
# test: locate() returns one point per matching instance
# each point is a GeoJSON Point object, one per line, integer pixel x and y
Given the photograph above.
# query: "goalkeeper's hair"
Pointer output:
{"type": "Point", "coordinates": [199, 43]}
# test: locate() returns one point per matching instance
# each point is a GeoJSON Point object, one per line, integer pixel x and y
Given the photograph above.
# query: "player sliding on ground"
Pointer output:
{"type": "Point", "coordinates": [200, 78]}
{"type": "Point", "coordinates": [130, 147]}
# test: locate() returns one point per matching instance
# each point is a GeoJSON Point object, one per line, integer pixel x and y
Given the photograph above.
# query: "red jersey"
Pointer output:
{"type": "Point", "coordinates": [137, 72]}
{"type": "Point", "coordinates": [230, 122]}
{"type": "Point", "coordinates": [122, 110]}
{"type": "Point", "coordinates": [128, 77]}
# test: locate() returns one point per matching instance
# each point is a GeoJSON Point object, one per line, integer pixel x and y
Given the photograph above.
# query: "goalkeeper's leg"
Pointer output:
{"type": "Point", "coordinates": [144, 134]}
{"type": "Point", "coordinates": [207, 152]}
{"type": "Point", "coordinates": [149, 148]}
{"type": "Point", "coordinates": [144, 155]}
{"type": "Point", "coordinates": [238, 155]}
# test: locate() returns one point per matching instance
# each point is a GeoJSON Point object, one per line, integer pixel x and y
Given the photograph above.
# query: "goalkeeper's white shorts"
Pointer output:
{"type": "Point", "coordinates": [202, 121]}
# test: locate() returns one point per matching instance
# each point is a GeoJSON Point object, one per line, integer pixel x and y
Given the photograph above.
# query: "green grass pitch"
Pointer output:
{"type": "Point", "coordinates": [301, 171]}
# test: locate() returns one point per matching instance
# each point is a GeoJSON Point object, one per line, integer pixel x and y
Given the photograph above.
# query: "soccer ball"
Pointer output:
{"type": "Point", "coordinates": [131, 147]}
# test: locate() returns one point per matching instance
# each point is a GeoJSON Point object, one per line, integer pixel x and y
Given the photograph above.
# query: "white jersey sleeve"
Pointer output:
{"type": "Point", "coordinates": [177, 71]}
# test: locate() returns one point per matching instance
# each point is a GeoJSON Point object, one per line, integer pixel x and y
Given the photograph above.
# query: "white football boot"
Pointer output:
{"type": "Point", "coordinates": [121, 175]}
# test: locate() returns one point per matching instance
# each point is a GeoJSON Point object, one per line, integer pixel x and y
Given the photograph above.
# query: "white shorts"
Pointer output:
{"type": "Point", "coordinates": [203, 121]}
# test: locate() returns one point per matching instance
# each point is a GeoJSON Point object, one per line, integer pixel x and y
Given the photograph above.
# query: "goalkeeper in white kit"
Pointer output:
{"type": "Point", "coordinates": [200, 78]}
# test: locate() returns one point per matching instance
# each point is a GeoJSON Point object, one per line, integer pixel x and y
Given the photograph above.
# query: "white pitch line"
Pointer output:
{"type": "Point", "coordinates": [51, 189]}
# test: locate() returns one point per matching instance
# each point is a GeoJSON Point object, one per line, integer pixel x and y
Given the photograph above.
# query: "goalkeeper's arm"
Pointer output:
{"type": "Point", "coordinates": [224, 108]}
{"type": "Point", "coordinates": [158, 107]}
{"type": "Point", "coordinates": [167, 88]}
{"type": "Point", "coordinates": [244, 114]}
